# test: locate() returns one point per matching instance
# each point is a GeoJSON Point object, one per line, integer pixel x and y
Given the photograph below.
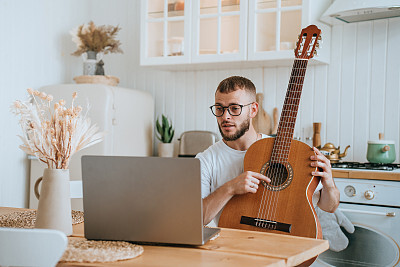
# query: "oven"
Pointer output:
{"type": "Point", "coordinates": [373, 206]}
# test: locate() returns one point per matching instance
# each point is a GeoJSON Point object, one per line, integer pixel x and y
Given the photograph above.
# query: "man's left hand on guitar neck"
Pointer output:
{"type": "Point", "coordinates": [329, 194]}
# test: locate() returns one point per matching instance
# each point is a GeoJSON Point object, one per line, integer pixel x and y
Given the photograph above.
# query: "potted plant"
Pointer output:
{"type": "Point", "coordinates": [165, 133]}
{"type": "Point", "coordinates": [92, 43]}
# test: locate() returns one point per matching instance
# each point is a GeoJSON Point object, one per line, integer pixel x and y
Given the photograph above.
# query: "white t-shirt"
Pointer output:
{"type": "Point", "coordinates": [220, 164]}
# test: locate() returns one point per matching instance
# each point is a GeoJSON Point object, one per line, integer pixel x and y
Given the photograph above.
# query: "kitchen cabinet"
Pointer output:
{"type": "Point", "coordinates": [165, 32]}
{"type": "Point", "coordinates": [274, 27]}
{"type": "Point", "coordinates": [251, 33]}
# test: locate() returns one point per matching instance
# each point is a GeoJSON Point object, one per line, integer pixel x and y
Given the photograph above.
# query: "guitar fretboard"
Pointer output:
{"type": "Point", "coordinates": [280, 151]}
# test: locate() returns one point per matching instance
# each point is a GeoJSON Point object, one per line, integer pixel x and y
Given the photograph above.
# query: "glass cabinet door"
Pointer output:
{"type": "Point", "coordinates": [219, 30]}
{"type": "Point", "coordinates": [165, 32]}
{"type": "Point", "coordinates": [274, 25]}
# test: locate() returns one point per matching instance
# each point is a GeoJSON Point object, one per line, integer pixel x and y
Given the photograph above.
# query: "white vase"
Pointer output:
{"type": "Point", "coordinates": [90, 60]}
{"type": "Point", "coordinates": [54, 209]}
{"type": "Point", "coordinates": [166, 150]}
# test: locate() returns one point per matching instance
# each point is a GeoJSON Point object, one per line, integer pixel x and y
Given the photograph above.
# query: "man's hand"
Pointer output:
{"type": "Point", "coordinates": [330, 195]}
{"type": "Point", "coordinates": [247, 182]}
{"type": "Point", "coordinates": [324, 168]}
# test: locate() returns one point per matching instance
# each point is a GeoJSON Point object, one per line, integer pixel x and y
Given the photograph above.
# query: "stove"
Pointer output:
{"type": "Point", "coordinates": [365, 166]}
{"type": "Point", "coordinates": [369, 199]}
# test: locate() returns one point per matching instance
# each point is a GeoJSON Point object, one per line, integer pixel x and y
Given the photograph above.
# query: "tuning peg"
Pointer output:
{"type": "Point", "coordinates": [317, 45]}
{"type": "Point", "coordinates": [315, 53]}
{"type": "Point", "coordinates": [319, 38]}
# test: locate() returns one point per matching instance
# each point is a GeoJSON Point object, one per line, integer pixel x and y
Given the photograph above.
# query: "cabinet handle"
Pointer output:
{"type": "Point", "coordinates": [388, 214]}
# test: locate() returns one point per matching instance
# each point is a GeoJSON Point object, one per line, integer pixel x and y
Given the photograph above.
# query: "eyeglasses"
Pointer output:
{"type": "Point", "coordinates": [233, 109]}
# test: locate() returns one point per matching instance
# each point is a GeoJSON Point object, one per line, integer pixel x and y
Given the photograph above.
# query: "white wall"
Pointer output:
{"type": "Point", "coordinates": [35, 50]}
{"type": "Point", "coordinates": [355, 97]}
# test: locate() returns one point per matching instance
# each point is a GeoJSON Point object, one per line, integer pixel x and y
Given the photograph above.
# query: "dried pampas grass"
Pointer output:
{"type": "Point", "coordinates": [89, 37]}
{"type": "Point", "coordinates": [53, 133]}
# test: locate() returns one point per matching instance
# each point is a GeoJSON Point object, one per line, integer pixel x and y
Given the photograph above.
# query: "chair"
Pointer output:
{"type": "Point", "coordinates": [193, 142]}
{"type": "Point", "coordinates": [31, 247]}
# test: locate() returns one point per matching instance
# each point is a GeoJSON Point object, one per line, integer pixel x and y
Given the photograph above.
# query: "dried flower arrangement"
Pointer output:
{"type": "Point", "coordinates": [53, 135]}
{"type": "Point", "coordinates": [89, 37]}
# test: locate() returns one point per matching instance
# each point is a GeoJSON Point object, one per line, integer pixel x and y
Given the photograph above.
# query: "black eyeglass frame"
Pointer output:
{"type": "Point", "coordinates": [228, 108]}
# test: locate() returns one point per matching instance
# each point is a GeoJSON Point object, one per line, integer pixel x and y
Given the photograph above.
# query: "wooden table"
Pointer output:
{"type": "Point", "coordinates": [231, 248]}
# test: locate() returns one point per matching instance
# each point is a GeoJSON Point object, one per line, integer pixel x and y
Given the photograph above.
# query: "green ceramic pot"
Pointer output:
{"type": "Point", "coordinates": [381, 151]}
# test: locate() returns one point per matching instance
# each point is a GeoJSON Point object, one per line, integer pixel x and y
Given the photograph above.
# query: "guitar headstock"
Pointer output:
{"type": "Point", "coordinates": [308, 42]}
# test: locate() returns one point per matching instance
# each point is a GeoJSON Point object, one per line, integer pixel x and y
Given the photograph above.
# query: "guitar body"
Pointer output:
{"type": "Point", "coordinates": [290, 204]}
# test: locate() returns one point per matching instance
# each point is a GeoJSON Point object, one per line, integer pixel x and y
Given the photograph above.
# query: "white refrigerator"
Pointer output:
{"type": "Point", "coordinates": [126, 115]}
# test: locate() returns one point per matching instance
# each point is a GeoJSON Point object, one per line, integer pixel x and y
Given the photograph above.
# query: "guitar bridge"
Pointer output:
{"type": "Point", "coordinates": [266, 224]}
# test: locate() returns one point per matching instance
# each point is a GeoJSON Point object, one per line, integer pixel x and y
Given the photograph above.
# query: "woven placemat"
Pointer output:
{"type": "Point", "coordinates": [27, 219]}
{"type": "Point", "coordinates": [83, 250]}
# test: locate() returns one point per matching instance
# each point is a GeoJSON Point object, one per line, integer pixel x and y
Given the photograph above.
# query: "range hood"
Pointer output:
{"type": "Point", "coordinates": [348, 11]}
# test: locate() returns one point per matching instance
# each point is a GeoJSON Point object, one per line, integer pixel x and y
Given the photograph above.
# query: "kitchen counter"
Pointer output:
{"type": "Point", "coordinates": [366, 174]}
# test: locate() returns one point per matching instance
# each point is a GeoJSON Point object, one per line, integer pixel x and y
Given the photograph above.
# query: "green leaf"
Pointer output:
{"type": "Point", "coordinates": [165, 130]}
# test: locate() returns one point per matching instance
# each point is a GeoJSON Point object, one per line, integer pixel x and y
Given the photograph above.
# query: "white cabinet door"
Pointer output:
{"type": "Point", "coordinates": [165, 32]}
{"type": "Point", "coordinates": [274, 26]}
{"type": "Point", "coordinates": [219, 30]}
{"type": "Point", "coordinates": [250, 32]}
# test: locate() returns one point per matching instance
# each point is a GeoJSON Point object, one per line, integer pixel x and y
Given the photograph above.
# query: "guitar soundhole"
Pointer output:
{"type": "Point", "coordinates": [281, 175]}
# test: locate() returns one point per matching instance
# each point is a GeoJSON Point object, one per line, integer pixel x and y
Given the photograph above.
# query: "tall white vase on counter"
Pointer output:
{"type": "Point", "coordinates": [54, 210]}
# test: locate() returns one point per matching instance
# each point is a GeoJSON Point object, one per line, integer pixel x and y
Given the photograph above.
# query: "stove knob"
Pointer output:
{"type": "Point", "coordinates": [369, 194]}
{"type": "Point", "coordinates": [350, 191]}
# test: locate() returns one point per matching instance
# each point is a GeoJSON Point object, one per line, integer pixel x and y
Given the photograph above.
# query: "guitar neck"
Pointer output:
{"type": "Point", "coordinates": [280, 151]}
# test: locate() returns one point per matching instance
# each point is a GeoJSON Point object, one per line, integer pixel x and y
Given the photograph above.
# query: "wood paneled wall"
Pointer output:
{"type": "Point", "coordinates": [355, 97]}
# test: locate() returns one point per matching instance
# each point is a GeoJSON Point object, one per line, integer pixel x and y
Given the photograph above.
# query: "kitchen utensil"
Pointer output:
{"type": "Point", "coordinates": [332, 153]}
{"type": "Point", "coordinates": [262, 121]}
{"type": "Point", "coordinates": [316, 134]}
{"type": "Point", "coordinates": [275, 115]}
{"type": "Point", "coordinates": [381, 151]}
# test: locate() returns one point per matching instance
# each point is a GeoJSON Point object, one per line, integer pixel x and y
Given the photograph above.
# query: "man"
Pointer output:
{"type": "Point", "coordinates": [222, 173]}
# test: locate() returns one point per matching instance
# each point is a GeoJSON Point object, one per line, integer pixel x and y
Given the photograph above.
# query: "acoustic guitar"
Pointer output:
{"type": "Point", "coordinates": [285, 204]}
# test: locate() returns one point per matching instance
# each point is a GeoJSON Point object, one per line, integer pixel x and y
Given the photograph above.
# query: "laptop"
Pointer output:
{"type": "Point", "coordinates": [144, 199]}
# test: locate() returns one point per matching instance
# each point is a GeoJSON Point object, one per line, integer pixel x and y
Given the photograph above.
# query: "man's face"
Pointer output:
{"type": "Point", "coordinates": [234, 127]}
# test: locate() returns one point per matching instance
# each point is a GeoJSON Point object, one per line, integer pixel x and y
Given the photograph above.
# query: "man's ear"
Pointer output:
{"type": "Point", "coordinates": [253, 109]}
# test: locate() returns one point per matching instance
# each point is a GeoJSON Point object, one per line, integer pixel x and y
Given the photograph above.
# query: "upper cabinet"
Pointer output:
{"type": "Point", "coordinates": [219, 31]}
{"type": "Point", "coordinates": [165, 32]}
{"type": "Point", "coordinates": [227, 32]}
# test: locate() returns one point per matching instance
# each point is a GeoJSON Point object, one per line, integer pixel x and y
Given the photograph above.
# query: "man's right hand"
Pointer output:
{"type": "Point", "coordinates": [247, 182]}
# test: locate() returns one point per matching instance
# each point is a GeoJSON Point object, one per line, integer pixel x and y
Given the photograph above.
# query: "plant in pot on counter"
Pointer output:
{"type": "Point", "coordinates": [53, 132]}
{"type": "Point", "coordinates": [165, 133]}
{"type": "Point", "coordinates": [93, 42]}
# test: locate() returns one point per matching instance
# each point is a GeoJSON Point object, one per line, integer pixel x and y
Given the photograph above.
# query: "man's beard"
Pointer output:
{"type": "Point", "coordinates": [243, 128]}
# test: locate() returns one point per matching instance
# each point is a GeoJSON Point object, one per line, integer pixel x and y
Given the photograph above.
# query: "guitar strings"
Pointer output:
{"type": "Point", "coordinates": [266, 206]}
{"type": "Point", "coordinates": [278, 162]}
{"type": "Point", "coordinates": [273, 170]}
{"type": "Point", "coordinates": [294, 100]}
{"type": "Point", "coordinates": [269, 201]}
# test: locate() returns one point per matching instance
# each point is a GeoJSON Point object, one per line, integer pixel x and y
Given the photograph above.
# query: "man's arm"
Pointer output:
{"type": "Point", "coordinates": [246, 182]}
{"type": "Point", "coordinates": [330, 195]}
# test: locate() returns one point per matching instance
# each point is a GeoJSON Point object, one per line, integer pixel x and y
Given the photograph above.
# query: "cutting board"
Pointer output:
{"type": "Point", "coordinates": [262, 121]}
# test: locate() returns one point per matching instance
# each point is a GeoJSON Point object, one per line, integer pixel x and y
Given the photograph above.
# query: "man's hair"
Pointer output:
{"type": "Point", "coordinates": [234, 83]}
